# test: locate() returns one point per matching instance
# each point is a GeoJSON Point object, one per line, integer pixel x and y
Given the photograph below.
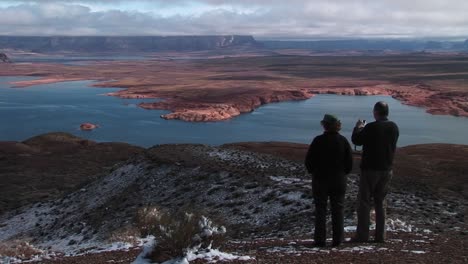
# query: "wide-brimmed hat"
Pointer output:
{"type": "Point", "coordinates": [330, 119]}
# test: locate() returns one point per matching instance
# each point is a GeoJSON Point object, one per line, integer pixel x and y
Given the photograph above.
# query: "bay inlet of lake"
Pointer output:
{"type": "Point", "coordinates": [28, 112]}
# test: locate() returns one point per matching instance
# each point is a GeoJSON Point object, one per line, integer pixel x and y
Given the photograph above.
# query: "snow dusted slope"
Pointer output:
{"type": "Point", "coordinates": [255, 196]}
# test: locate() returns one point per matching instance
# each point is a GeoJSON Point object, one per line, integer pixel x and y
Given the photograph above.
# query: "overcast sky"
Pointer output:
{"type": "Point", "coordinates": [265, 19]}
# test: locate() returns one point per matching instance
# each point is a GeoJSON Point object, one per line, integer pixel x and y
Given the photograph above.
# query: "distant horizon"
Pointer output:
{"type": "Point", "coordinates": [260, 38]}
{"type": "Point", "coordinates": [266, 20]}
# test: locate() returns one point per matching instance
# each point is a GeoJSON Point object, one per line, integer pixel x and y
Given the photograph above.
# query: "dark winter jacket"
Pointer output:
{"type": "Point", "coordinates": [379, 141]}
{"type": "Point", "coordinates": [329, 155]}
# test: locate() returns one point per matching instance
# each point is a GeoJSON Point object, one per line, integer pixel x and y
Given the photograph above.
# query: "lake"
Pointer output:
{"type": "Point", "coordinates": [63, 107]}
{"type": "Point", "coordinates": [74, 59]}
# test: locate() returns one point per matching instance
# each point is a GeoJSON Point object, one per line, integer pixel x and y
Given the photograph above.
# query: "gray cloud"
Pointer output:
{"type": "Point", "coordinates": [265, 19]}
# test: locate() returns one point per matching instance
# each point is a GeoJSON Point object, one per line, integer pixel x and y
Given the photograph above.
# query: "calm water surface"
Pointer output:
{"type": "Point", "coordinates": [75, 60]}
{"type": "Point", "coordinates": [64, 106]}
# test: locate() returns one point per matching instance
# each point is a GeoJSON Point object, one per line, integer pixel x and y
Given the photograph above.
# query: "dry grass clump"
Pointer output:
{"type": "Point", "coordinates": [126, 235]}
{"type": "Point", "coordinates": [178, 232]}
{"type": "Point", "coordinates": [19, 250]}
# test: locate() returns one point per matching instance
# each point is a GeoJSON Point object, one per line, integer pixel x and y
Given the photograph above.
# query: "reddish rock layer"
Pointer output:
{"type": "Point", "coordinates": [88, 126]}
{"type": "Point", "coordinates": [24, 84]}
{"type": "Point", "coordinates": [203, 112]}
{"type": "Point", "coordinates": [439, 103]}
{"type": "Point", "coordinates": [219, 89]}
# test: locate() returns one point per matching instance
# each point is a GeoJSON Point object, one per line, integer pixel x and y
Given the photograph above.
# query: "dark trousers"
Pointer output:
{"type": "Point", "coordinates": [372, 184]}
{"type": "Point", "coordinates": [334, 188]}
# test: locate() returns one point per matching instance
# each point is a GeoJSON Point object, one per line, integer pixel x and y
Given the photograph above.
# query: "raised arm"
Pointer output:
{"type": "Point", "coordinates": [358, 133]}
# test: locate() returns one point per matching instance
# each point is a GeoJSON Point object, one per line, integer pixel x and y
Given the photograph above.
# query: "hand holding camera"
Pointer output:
{"type": "Point", "coordinates": [360, 123]}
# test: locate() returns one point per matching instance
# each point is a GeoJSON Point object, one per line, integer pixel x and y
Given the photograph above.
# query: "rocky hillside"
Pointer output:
{"type": "Point", "coordinates": [47, 166]}
{"type": "Point", "coordinates": [262, 198]}
{"type": "Point", "coordinates": [125, 44]}
{"type": "Point", "coordinates": [4, 58]}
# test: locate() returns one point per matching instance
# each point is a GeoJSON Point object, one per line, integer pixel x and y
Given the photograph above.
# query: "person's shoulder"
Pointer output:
{"type": "Point", "coordinates": [318, 138]}
{"type": "Point", "coordinates": [342, 137]}
{"type": "Point", "coordinates": [392, 123]}
{"type": "Point", "coordinates": [371, 124]}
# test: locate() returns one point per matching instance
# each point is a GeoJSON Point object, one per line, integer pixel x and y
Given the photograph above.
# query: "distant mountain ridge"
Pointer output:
{"type": "Point", "coordinates": [368, 44]}
{"type": "Point", "coordinates": [127, 44]}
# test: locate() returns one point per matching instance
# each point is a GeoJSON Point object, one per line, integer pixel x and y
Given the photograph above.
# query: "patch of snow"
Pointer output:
{"type": "Point", "coordinates": [293, 196]}
{"type": "Point", "coordinates": [360, 249]}
{"type": "Point", "coordinates": [214, 255]}
{"type": "Point", "coordinates": [147, 248]}
{"type": "Point", "coordinates": [289, 180]}
{"type": "Point", "coordinates": [209, 255]}
{"type": "Point", "coordinates": [349, 229]}
{"type": "Point", "coordinates": [399, 225]}
{"type": "Point", "coordinates": [392, 225]}
{"type": "Point", "coordinates": [449, 213]}
{"type": "Point", "coordinates": [420, 241]}
{"type": "Point", "coordinates": [414, 251]}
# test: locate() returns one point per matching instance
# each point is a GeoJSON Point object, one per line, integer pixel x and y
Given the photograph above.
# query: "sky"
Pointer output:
{"type": "Point", "coordinates": [264, 19]}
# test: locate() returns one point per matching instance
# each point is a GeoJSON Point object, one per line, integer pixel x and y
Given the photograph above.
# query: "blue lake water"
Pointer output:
{"type": "Point", "coordinates": [75, 60]}
{"type": "Point", "coordinates": [64, 106]}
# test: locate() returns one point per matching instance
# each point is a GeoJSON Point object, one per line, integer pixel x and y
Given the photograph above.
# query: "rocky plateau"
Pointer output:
{"type": "Point", "coordinates": [223, 88]}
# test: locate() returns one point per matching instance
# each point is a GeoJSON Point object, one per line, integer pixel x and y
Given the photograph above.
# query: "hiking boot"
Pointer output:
{"type": "Point", "coordinates": [319, 244]}
{"type": "Point", "coordinates": [336, 244]}
{"type": "Point", "coordinates": [358, 240]}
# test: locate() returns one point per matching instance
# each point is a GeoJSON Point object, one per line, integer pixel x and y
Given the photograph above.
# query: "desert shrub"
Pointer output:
{"type": "Point", "coordinates": [178, 232]}
{"type": "Point", "coordinates": [126, 234]}
{"type": "Point", "coordinates": [18, 249]}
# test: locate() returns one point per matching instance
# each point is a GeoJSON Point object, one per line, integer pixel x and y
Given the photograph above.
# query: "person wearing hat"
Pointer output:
{"type": "Point", "coordinates": [329, 159]}
{"type": "Point", "coordinates": [379, 140]}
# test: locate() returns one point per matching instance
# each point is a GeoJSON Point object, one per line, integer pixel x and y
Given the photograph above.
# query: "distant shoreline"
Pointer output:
{"type": "Point", "coordinates": [222, 88]}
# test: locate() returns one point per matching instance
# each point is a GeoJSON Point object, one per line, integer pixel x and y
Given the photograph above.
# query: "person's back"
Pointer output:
{"type": "Point", "coordinates": [379, 141]}
{"type": "Point", "coordinates": [330, 155]}
{"type": "Point", "coordinates": [329, 159]}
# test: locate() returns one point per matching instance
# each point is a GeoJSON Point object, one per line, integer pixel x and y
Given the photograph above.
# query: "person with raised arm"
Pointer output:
{"type": "Point", "coordinates": [378, 140]}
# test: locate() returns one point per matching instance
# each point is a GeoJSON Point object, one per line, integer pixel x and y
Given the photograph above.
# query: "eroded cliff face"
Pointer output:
{"type": "Point", "coordinates": [125, 44]}
{"type": "Point", "coordinates": [436, 102]}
